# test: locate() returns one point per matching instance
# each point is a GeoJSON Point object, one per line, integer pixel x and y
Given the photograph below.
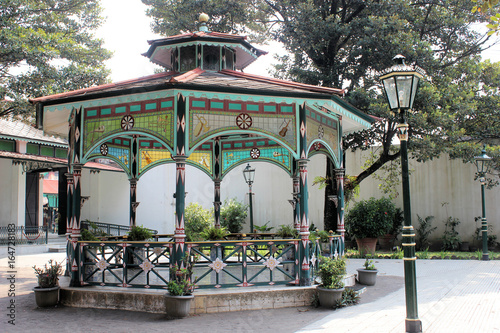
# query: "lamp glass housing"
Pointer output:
{"type": "Point", "coordinates": [249, 174]}
{"type": "Point", "coordinates": [481, 162]}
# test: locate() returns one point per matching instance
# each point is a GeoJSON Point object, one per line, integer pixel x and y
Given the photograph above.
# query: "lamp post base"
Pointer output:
{"type": "Point", "coordinates": [486, 257]}
{"type": "Point", "coordinates": [413, 326]}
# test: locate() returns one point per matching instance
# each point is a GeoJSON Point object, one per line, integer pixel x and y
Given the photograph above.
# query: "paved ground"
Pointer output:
{"type": "Point", "coordinates": [454, 296]}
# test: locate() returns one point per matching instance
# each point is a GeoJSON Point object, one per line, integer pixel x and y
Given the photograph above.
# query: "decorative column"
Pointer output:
{"type": "Point", "coordinates": [305, 274]}
{"type": "Point", "coordinates": [179, 250]}
{"type": "Point", "coordinates": [180, 194]}
{"type": "Point", "coordinates": [217, 181]}
{"type": "Point", "coordinates": [339, 175]}
{"type": "Point", "coordinates": [296, 204]}
{"type": "Point", "coordinates": [75, 225]}
{"type": "Point", "coordinates": [217, 203]}
{"type": "Point", "coordinates": [133, 201]}
{"type": "Point", "coordinates": [305, 277]}
{"type": "Point", "coordinates": [69, 221]}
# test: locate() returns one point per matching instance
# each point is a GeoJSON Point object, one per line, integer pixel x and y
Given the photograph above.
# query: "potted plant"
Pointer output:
{"type": "Point", "coordinates": [180, 289]}
{"type": "Point", "coordinates": [369, 219]}
{"type": "Point", "coordinates": [332, 273]}
{"type": "Point", "coordinates": [387, 241]}
{"type": "Point", "coordinates": [47, 291]}
{"type": "Point", "coordinates": [368, 274]}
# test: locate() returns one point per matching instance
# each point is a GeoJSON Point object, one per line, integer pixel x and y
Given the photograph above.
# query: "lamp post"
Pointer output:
{"type": "Point", "coordinates": [249, 175]}
{"type": "Point", "coordinates": [400, 85]}
{"type": "Point", "coordinates": [482, 166]}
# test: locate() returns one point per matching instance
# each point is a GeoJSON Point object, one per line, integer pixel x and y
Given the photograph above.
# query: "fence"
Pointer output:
{"type": "Point", "coordinates": [23, 235]}
{"type": "Point", "coordinates": [236, 263]}
{"type": "Point", "coordinates": [110, 229]}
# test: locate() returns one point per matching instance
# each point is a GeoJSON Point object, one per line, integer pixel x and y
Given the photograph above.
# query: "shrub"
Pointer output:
{"type": "Point", "coordinates": [287, 231]}
{"type": "Point", "coordinates": [332, 272]}
{"type": "Point", "coordinates": [233, 214]}
{"type": "Point", "coordinates": [451, 238]}
{"type": "Point", "coordinates": [214, 233]}
{"type": "Point", "coordinates": [48, 276]}
{"type": "Point", "coordinates": [196, 219]}
{"type": "Point", "coordinates": [371, 218]}
{"type": "Point", "coordinates": [423, 232]}
{"type": "Point", "coordinates": [139, 233]}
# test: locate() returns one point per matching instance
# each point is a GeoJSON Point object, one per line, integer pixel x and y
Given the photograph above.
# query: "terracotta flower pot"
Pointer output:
{"type": "Point", "coordinates": [366, 245]}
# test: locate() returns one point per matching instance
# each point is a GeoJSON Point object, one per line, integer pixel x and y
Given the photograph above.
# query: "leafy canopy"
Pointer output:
{"type": "Point", "coordinates": [344, 43]}
{"type": "Point", "coordinates": [47, 47]}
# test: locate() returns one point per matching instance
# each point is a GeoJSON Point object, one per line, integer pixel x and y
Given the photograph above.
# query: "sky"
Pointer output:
{"type": "Point", "coordinates": [127, 30]}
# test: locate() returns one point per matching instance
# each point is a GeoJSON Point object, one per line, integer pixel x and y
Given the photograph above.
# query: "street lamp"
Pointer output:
{"type": "Point", "coordinates": [400, 85]}
{"type": "Point", "coordinates": [249, 174]}
{"type": "Point", "coordinates": [482, 166]}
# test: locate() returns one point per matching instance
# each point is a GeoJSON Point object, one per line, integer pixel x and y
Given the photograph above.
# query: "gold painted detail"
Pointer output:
{"type": "Point", "coordinates": [410, 259]}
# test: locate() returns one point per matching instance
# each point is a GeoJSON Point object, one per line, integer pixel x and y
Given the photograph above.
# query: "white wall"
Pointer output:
{"type": "Point", "coordinates": [12, 186]}
{"type": "Point", "coordinates": [432, 184]}
{"type": "Point", "coordinates": [109, 195]}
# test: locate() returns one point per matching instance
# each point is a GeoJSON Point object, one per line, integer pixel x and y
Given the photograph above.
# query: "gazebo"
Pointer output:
{"type": "Point", "coordinates": [205, 112]}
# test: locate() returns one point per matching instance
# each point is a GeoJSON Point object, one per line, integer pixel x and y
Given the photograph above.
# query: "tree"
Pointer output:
{"type": "Point", "coordinates": [486, 6]}
{"type": "Point", "coordinates": [47, 47]}
{"type": "Point", "coordinates": [344, 43]}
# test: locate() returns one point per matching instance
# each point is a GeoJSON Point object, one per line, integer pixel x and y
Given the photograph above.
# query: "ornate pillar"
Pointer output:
{"type": "Point", "coordinates": [217, 202]}
{"type": "Point", "coordinates": [217, 181]}
{"type": "Point", "coordinates": [339, 175]}
{"type": "Point", "coordinates": [296, 205]}
{"type": "Point", "coordinates": [76, 207]}
{"type": "Point", "coordinates": [133, 201]}
{"type": "Point", "coordinates": [179, 250]}
{"type": "Point", "coordinates": [305, 274]}
{"type": "Point", "coordinates": [180, 194]}
{"type": "Point", "coordinates": [305, 279]}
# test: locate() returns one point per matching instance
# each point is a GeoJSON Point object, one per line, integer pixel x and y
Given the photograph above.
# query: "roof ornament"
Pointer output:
{"type": "Point", "coordinates": [203, 19]}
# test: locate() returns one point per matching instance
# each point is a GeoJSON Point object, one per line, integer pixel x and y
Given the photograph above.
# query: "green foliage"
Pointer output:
{"type": "Point", "coordinates": [264, 228]}
{"type": "Point", "coordinates": [139, 233]}
{"type": "Point", "coordinates": [287, 231]}
{"type": "Point", "coordinates": [451, 238]}
{"type": "Point", "coordinates": [332, 43]}
{"type": "Point", "coordinates": [370, 218]}
{"type": "Point", "coordinates": [48, 47]}
{"type": "Point", "coordinates": [369, 264]}
{"type": "Point", "coordinates": [478, 234]}
{"type": "Point", "coordinates": [93, 233]}
{"type": "Point", "coordinates": [424, 254]}
{"type": "Point", "coordinates": [349, 297]}
{"type": "Point", "coordinates": [213, 233]}
{"type": "Point", "coordinates": [180, 283]}
{"type": "Point", "coordinates": [488, 6]}
{"type": "Point", "coordinates": [332, 272]}
{"type": "Point", "coordinates": [48, 276]}
{"type": "Point", "coordinates": [233, 215]}
{"type": "Point", "coordinates": [423, 232]}
{"type": "Point", "coordinates": [196, 220]}
{"type": "Point", "coordinates": [398, 254]}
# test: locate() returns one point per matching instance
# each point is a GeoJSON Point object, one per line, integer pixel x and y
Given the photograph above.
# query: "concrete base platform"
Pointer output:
{"type": "Point", "coordinates": [205, 300]}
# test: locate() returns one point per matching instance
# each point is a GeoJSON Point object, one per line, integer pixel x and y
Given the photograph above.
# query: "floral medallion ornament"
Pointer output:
{"type": "Point", "coordinates": [102, 264]}
{"type": "Point", "coordinates": [317, 146]}
{"type": "Point", "coordinates": [146, 266]}
{"type": "Point", "coordinates": [127, 123]}
{"type": "Point", "coordinates": [255, 153]}
{"type": "Point", "coordinates": [321, 132]}
{"type": "Point", "coordinates": [244, 121]}
{"type": "Point", "coordinates": [104, 149]}
{"type": "Point", "coordinates": [272, 263]}
{"type": "Point", "coordinates": [217, 265]}
{"type": "Point", "coordinates": [158, 251]}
